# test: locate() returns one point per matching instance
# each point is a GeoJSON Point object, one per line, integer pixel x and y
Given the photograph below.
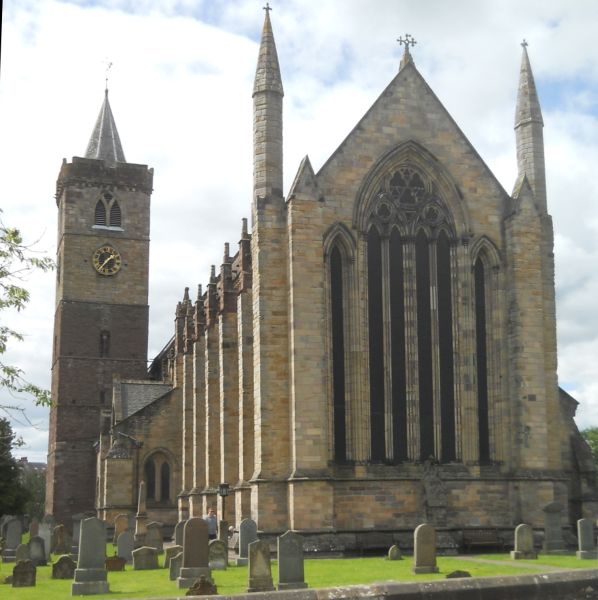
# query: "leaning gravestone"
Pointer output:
{"type": "Point", "coordinates": [153, 536]}
{"type": "Point", "coordinates": [424, 550]}
{"type": "Point", "coordinates": [394, 553]}
{"type": "Point", "coordinates": [260, 571]}
{"type": "Point", "coordinates": [291, 574]}
{"type": "Point", "coordinates": [13, 530]}
{"type": "Point", "coordinates": [524, 543]}
{"type": "Point", "coordinates": [145, 558]}
{"type": "Point", "coordinates": [23, 575]}
{"type": "Point", "coordinates": [553, 530]}
{"type": "Point", "coordinates": [64, 568]}
{"type": "Point", "coordinates": [170, 553]}
{"type": "Point", "coordinates": [90, 575]}
{"type": "Point", "coordinates": [174, 566]}
{"type": "Point", "coordinates": [125, 544]}
{"type": "Point", "coordinates": [178, 533]}
{"type": "Point", "coordinates": [585, 540]}
{"type": "Point", "coordinates": [22, 552]}
{"type": "Point", "coordinates": [37, 551]}
{"type": "Point", "coordinates": [247, 535]}
{"type": "Point", "coordinates": [217, 555]}
{"type": "Point", "coordinates": [195, 553]}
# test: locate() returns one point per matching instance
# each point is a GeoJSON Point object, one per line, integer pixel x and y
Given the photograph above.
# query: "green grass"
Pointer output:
{"type": "Point", "coordinates": [318, 573]}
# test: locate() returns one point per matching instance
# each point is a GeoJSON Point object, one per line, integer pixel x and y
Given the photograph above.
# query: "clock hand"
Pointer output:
{"type": "Point", "coordinates": [111, 257]}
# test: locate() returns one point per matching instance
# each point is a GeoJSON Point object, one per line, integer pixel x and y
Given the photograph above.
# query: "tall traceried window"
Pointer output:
{"type": "Point", "coordinates": [157, 472]}
{"type": "Point", "coordinates": [107, 212]}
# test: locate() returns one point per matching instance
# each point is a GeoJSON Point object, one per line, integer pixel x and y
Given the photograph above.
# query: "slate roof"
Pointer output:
{"type": "Point", "coordinates": [104, 142]}
{"type": "Point", "coordinates": [132, 396]}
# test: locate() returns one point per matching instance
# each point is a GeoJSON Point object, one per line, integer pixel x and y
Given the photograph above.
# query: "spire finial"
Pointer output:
{"type": "Point", "coordinates": [108, 67]}
{"type": "Point", "coordinates": [407, 41]}
{"type": "Point", "coordinates": [267, 8]}
{"type": "Point", "coordinates": [524, 43]}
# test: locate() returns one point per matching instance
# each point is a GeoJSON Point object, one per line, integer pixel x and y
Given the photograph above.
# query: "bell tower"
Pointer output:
{"type": "Point", "coordinates": [101, 312]}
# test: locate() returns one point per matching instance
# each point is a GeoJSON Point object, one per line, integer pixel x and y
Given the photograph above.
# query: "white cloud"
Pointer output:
{"type": "Point", "coordinates": [180, 89]}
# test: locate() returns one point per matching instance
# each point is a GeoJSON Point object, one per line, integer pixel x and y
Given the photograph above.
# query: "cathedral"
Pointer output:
{"type": "Point", "coordinates": [379, 351]}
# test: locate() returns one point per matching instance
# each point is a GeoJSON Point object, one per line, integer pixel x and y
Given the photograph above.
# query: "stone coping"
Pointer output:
{"type": "Point", "coordinates": [563, 585]}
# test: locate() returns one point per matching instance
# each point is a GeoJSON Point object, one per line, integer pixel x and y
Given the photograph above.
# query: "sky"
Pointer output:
{"type": "Point", "coordinates": [180, 90]}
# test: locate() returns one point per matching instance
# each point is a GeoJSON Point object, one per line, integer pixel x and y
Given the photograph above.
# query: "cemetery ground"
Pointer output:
{"type": "Point", "coordinates": [319, 573]}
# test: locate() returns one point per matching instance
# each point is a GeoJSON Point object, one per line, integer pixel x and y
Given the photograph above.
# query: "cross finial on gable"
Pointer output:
{"type": "Point", "coordinates": [406, 41]}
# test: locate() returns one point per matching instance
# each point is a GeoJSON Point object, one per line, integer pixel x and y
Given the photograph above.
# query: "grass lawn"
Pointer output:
{"type": "Point", "coordinates": [318, 573]}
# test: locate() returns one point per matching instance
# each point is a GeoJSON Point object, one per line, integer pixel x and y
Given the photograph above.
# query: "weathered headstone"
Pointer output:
{"type": "Point", "coordinates": [202, 587]}
{"type": "Point", "coordinates": [424, 549]}
{"type": "Point", "coordinates": [64, 568]}
{"type": "Point", "coordinates": [247, 535]}
{"type": "Point", "coordinates": [170, 553]}
{"type": "Point", "coordinates": [585, 540]}
{"type": "Point", "coordinates": [46, 527]}
{"type": "Point", "coordinates": [121, 523]}
{"type": "Point", "coordinates": [553, 529]}
{"type": "Point", "coordinates": [13, 531]}
{"type": "Point", "coordinates": [37, 551]}
{"type": "Point", "coordinates": [195, 553]}
{"type": "Point", "coordinates": [24, 574]}
{"type": "Point", "coordinates": [260, 571]}
{"type": "Point", "coordinates": [125, 544]}
{"type": "Point", "coordinates": [178, 533]}
{"type": "Point", "coordinates": [153, 536]}
{"type": "Point", "coordinates": [524, 543]}
{"type": "Point", "coordinates": [90, 575]}
{"type": "Point", "coordinates": [217, 555]}
{"type": "Point", "coordinates": [22, 552]}
{"type": "Point", "coordinates": [145, 558]}
{"type": "Point", "coordinates": [34, 527]}
{"type": "Point", "coordinates": [115, 563]}
{"type": "Point", "coordinates": [60, 543]}
{"type": "Point", "coordinates": [291, 574]}
{"type": "Point", "coordinates": [394, 553]}
{"type": "Point", "coordinates": [174, 566]}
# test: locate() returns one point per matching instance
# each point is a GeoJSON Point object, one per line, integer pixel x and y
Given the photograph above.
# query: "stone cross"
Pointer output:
{"type": "Point", "coordinates": [260, 571]}
{"type": "Point", "coordinates": [90, 575]}
{"type": "Point", "coordinates": [195, 553]}
{"type": "Point", "coordinates": [424, 550]}
{"type": "Point", "coordinates": [291, 575]}
{"type": "Point", "coordinates": [407, 41]}
{"type": "Point", "coordinates": [524, 543]}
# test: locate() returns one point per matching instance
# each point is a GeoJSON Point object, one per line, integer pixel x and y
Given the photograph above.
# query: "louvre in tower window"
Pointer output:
{"type": "Point", "coordinates": [115, 215]}
{"type": "Point", "coordinates": [100, 213]}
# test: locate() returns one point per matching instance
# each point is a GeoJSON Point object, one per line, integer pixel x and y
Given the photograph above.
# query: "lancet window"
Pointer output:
{"type": "Point", "coordinates": [107, 212]}
{"type": "Point", "coordinates": [157, 473]}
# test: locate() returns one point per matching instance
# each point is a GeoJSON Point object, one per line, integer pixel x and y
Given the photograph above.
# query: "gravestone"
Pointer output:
{"type": "Point", "coordinates": [61, 543]}
{"type": "Point", "coordinates": [524, 543]}
{"type": "Point", "coordinates": [291, 575]}
{"type": "Point", "coordinates": [247, 535]}
{"type": "Point", "coordinates": [217, 555]}
{"type": "Point", "coordinates": [64, 568]}
{"type": "Point", "coordinates": [125, 544]}
{"type": "Point", "coordinates": [22, 552]}
{"type": "Point", "coordinates": [553, 530]}
{"type": "Point", "coordinates": [23, 574]}
{"type": "Point", "coordinates": [195, 553]}
{"type": "Point", "coordinates": [585, 540]}
{"type": "Point", "coordinates": [115, 563]}
{"type": "Point", "coordinates": [145, 558]}
{"type": "Point", "coordinates": [90, 574]}
{"type": "Point", "coordinates": [174, 566]}
{"type": "Point", "coordinates": [260, 571]}
{"type": "Point", "coordinates": [170, 553]}
{"type": "Point", "coordinates": [178, 533]}
{"type": "Point", "coordinates": [121, 523]}
{"type": "Point", "coordinates": [13, 531]}
{"type": "Point", "coordinates": [153, 536]}
{"type": "Point", "coordinates": [202, 587]}
{"type": "Point", "coordinates": [46, 527]}
{"type": "Point", "coordinates": [394, 553]}
{"type": "Point", "coordinates": [424, 549]}
{"type": "Point", "coordinates": [33, 527]}
{"type": "Point", "coordinates": [37, 551]}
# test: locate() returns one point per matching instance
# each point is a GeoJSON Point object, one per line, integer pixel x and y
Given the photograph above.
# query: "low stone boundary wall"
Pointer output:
{"type": "Point", "coordinates": [562, 585]}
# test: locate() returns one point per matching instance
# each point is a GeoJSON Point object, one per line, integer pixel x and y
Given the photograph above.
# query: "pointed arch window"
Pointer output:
{"type": "Point", "coordinates": [150, 479]}
{"type": "Point", "coordinates": [108, 213]}
{"type": "Point", "coordinates": [115, 215]}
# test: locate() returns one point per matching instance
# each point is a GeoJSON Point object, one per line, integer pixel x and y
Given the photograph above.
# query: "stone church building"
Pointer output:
{"type": "Point", "coordinates": [379, 351]}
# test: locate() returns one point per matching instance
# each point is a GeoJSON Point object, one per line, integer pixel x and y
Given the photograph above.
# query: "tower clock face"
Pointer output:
{"type": "Point", "coordinates": [107, 260]}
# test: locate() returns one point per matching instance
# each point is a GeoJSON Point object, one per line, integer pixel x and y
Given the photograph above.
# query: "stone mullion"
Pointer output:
{"type": "Point", "coordinates": [412, 383]}
{"type": "Point", "coordinates": [351, 329]}
{"type": "Point", "coordinates": [456, 311]}
{"type": "Point", "coordinates": [495, 405]}
{"type": "Point", "coordinates": [467, 360]}
{"type": "Point", "coordinates": [432, 250]}
{"type": "Point", "coordinates": [361, 353]}
{"type": "Point", "coordinates": [388, 430]}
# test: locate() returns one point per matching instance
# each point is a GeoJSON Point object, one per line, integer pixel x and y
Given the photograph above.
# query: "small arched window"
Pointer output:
{"type": "Point", "coordinates": [107, 212]}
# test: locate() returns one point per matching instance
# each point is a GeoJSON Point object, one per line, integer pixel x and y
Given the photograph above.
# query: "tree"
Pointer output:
{"type": "Point", "coordinates": [13, 494]}
{"type": "Point", "coordinates": [590, 435]}
{"type": "Point", "coordinates": [34, 481]}
{"type": "Point", "coordinates": [17, 261]}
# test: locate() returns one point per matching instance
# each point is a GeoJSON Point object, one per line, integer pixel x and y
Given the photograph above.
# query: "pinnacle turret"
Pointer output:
{"type": "Point", "coordinates": [104, 142]}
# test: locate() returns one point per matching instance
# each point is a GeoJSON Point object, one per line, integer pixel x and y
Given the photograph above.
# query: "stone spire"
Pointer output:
{"type": "Point", "coordinates": [267, 119]}
{"type": "Point", "coordinates": [104, 142]}
{"type": "Point", "coordinates": [529, 133]}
